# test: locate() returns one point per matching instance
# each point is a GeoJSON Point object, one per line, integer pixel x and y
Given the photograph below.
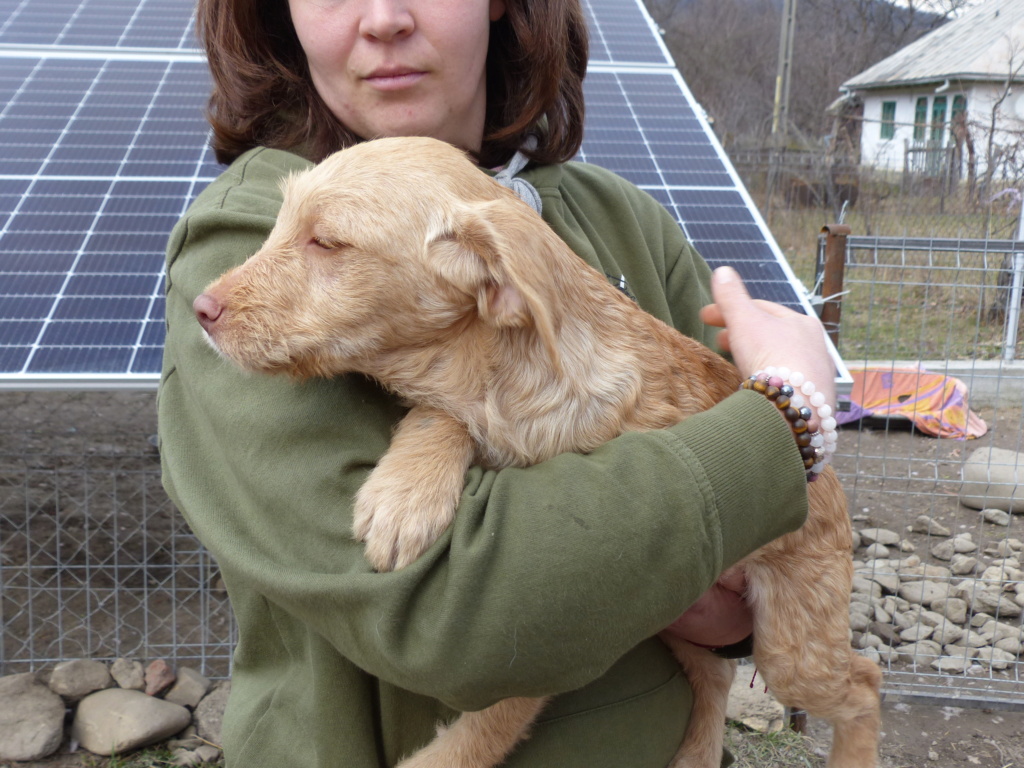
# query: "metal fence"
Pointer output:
{"type": "Point", "coordinates": [95, 562]}
{"type": "Point", "coordinates": [946, 307]}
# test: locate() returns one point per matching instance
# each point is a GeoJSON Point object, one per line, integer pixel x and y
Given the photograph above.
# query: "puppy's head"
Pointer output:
{"type": "Point", "coordinates": [390, 246]}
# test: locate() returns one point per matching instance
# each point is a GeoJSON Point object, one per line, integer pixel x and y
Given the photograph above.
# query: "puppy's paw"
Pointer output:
{"type": "Point", "coordinates": [398, 521]}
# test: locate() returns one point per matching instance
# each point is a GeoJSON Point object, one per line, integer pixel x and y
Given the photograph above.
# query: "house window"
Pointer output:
{"type": "Point", "coordinates": [958, 116]}
{"type": "Point", "coordinates": [938, 118]}
{"type": "Point", "coordinates": [920, 118]}
{"type": "Point", "coordinates": [888, 119]}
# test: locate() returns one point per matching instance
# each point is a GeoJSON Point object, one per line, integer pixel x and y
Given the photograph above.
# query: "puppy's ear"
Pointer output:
{"type": "Point", "coordinates": [496, 251]}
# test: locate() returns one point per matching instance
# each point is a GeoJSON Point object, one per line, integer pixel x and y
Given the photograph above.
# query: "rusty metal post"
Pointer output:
{"type": "Point", "coordinates": [832, 277]}
{"type": "Point", "coordinates": [796, 719]}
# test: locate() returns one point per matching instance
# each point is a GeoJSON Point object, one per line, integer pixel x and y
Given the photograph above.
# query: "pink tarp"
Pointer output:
{"type": "Point", "coordinates": [936, 404]}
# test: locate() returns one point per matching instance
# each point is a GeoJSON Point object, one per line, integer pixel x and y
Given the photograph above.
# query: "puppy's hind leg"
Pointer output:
{"type": "Point", "coordinates": [710, 678]}
{"type": "Point", "coordinates": [857, 721]}
{"type": "Point", "coordinates": [479, 739]}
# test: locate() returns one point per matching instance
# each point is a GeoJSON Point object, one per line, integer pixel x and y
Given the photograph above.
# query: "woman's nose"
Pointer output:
{"type": "Point", "coordinates": [385, 20]}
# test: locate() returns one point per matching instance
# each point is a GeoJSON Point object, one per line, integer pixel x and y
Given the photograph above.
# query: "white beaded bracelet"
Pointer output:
{"type": "Point", "coordinates": [809, 416]}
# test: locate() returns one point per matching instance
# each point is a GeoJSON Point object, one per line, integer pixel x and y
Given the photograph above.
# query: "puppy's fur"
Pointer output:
{"type": "Point", "coordinates": [401, 260]}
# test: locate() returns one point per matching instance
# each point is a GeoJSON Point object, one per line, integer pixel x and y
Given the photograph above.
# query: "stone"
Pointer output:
{"type": "Point", "coordinates": [953, 608]}
{"type": "Point", "coordinates": [944, 550]}
{"type": "Point", "coordinates": [866, 586]}
{"type": "Point", "coordinates": [885, 631]}
{"type": "Point", "coordinates": [920, 652]}
{"type": "Point", "coordinates": [930, 526]}
{"type": "Point", "coordinates": [903, 620]}
{"type": "Point", "coordinates": [964, 651]}
{"type": "Point", "coordinates": [31, 718]}
{"type": "Point", "coordinates": [996, 658]}
{"type": "Point", "coordinates": [881, 536]}
{"type": "Point", "coordinates": [963, 543]}
{"type": "Point", "coordinates": [961, 565]}
{"type": "Point", "coordinates": [208, 754]}
{"type": "Point", "coordinates": [859, 621]}
{"type": "Point", "coordinates": [188, 689]}
{"type": "Point", "coordinates": [998, 630]}
{"type": "Point", "coordinates": [992, 478]}
{"type": "Point", "coordinates": [79, 677]}
{"type": "Point", "coordinates": [916, 633]}
{"type": "Point", "coordinates": [209, 714]}
{"type": "Point", "coordinates": [997, 574]}
{"type": "Point", "coordinates": [923, 592]}
{"type": "Point", "coordinates": [159, 677]}
{"type": "Point", "coordinates": [118, 720]}
{"type": "Point", "coordinates": [971, 639]}
{"type": "Point", "coordinates": [184, 757]}
{"type": "Point", "coordinates": [876, 550]}
{"type": "Point", "coordinates": [752, 706]}
{"type": "Point", "coordinates": [1010, 645]}
{"type": "Point", "coordinates": [996, 516]}
{"type": "Point", "coordinates": [947, 634]}
{"type": "Point", "coordinates": [128, 674]}
{"type": "Point", "coordinates": [884, 575]}
{"type": "Point", "coordinates": [930, 618]}
{"type": "Point", "coordinates": [993, 602]}
{"type": "Point", "coordinates": [1008, 546]}
{"type": "Point", "coordinates": [868, 640]}
{"type": "Point", "coordinates": [951, 664]}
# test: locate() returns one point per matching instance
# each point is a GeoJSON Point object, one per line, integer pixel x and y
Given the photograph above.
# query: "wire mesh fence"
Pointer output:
{"type": "Point", "coordinates": [95, 561]}
{"type": "Point", "coordinates": [940, 589]}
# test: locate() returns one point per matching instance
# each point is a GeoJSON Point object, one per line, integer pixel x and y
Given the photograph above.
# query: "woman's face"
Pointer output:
{"type": "Point", "coordinates": [401, 67]}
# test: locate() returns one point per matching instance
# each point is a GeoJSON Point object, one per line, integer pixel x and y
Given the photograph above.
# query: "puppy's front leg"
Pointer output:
{"type": "Point", "coordinates": [411, 496]}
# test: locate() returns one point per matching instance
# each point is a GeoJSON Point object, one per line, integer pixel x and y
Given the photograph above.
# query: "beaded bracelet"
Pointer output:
{"type": "Point", "coordinates": [794, 396]}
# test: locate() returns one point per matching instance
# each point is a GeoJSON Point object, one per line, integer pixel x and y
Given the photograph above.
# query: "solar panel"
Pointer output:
{"type": "Point", "coordinates": [103, 144]}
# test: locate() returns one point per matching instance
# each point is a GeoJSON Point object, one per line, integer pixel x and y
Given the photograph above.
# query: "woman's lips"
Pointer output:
{"type": "Point", "coordinates": [394, 80]}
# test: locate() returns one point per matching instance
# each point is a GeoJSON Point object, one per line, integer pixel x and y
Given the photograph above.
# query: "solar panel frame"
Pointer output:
{"type": "Point", "coordinates": [102, 147]}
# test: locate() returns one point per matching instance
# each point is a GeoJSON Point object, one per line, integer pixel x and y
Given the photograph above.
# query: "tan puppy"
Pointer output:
{"type": "Point", "coordinates": [511, 350]}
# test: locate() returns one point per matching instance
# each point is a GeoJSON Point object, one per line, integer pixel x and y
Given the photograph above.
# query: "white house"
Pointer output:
{"type": "Point", "coordinates": [940, 93]}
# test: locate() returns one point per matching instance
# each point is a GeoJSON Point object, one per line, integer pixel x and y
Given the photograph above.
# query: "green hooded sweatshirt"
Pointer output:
{"type": "Point", "coordinates": [552, 579]}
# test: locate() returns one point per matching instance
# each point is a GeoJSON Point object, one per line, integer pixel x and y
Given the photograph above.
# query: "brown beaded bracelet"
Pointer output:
{"type": "Point", "coordinates": [781, 395]}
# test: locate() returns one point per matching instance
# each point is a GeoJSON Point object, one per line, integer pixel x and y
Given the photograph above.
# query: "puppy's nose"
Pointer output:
{"type": "Point", "coordinates": [207, 310]}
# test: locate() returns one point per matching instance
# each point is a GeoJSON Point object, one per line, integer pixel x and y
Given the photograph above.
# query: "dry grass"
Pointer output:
{"type": "Point", "coordinates": [938, 304]}
{"type": "Point", "coordinates": [782, 749]}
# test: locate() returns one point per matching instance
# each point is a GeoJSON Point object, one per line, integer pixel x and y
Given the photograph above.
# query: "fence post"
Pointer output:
{"type": "Point", "coordinates": [832, 278]}
{"type": "Point", "coordinates": [1013, 303]}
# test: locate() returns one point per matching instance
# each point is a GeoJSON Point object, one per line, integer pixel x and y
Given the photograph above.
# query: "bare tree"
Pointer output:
{"type": "Point", "coordinates": [727, 50]}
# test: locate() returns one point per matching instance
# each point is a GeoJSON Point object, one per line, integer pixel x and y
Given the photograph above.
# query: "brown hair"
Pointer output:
{"type": "Point", "coordinates": [263, 94]}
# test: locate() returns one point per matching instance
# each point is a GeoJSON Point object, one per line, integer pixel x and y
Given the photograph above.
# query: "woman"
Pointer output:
{"type": "Point", "coordinates": [553, 579]}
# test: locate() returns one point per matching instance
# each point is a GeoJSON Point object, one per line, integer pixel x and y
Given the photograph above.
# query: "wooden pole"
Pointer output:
{"type": "Point", "coordinates": [832, 278]}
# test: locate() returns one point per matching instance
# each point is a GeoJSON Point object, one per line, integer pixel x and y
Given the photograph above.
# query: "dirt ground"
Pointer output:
{"type": "Point", "coordinates": [892, 474]}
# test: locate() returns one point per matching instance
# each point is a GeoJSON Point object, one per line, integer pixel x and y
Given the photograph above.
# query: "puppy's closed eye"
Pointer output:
{"type": "Point", "coordinates": [325, 244]}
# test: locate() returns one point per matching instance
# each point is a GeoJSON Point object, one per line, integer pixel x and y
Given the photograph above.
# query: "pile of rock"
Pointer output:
{"type": "Point", "coordinates": [961, 617]}
{"type": "Point", "coordinates": [112, 709]}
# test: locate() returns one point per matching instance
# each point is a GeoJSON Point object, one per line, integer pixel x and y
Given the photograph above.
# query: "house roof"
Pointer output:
{"type": "Point", "coordinates": [979, 45]}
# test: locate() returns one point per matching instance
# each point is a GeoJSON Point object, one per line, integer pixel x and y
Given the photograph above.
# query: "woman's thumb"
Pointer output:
{"type": "Point", "coordinates": [729, 293]}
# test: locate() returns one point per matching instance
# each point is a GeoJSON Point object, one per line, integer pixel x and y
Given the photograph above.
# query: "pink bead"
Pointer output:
{"type": "Point", "coordinates": [775, 381]}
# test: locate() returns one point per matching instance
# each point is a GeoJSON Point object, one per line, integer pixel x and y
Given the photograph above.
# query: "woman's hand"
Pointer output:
{"type": "Point", "coordinates": [759, 334]}
{"type": "Point", "coordinates": [720, 616]}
